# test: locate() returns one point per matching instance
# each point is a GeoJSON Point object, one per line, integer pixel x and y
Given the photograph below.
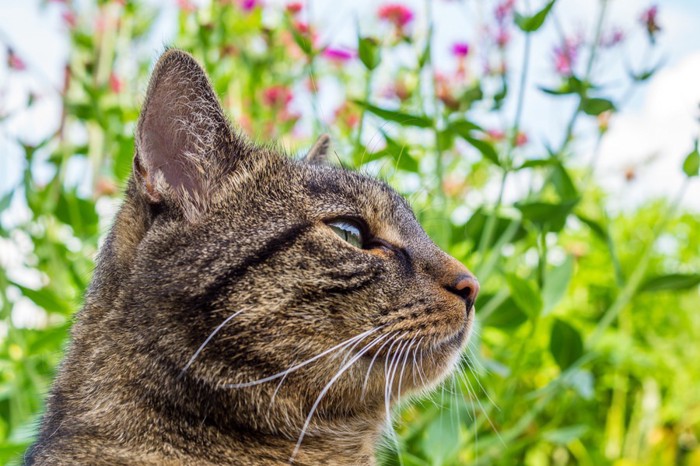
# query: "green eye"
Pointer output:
{"type": "Point", "coordinates": [349, 231]}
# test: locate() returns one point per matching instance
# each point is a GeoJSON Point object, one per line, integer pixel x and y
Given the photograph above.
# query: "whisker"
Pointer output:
{"type": "Point", "coordinates": [338, 374]}
{"type": "Point", "coordinates": [364, 385]}
{"type": "Point", "coordinates": [403, 367]}
{"type": "Point", "coordinates": [347, 342]}
{"type": "Point", "coordinates": [206, 342]}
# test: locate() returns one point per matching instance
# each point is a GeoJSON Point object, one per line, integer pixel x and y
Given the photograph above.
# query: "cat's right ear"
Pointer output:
{"type": "Point", "coordinates": [182, 136]}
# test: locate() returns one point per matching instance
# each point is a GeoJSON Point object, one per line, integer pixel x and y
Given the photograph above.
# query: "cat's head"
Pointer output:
{"type": "Point", "coordinates": [245, 264]}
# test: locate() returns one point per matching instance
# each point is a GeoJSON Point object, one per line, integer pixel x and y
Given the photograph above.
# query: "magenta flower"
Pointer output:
{"type": "Point", "coordinates": [248, 5]}
{"type": "Point", "coordinates": [649, 19]}
{"type": "Point", "coordinates": [338, 55]}
{"type": "Point", "coordinates": [565, 57]}
{"type": "Point", "coordinates": [460, 49]}
{"type": "Point", "coordinates": [14, 61]}
{"type": "Point", "coordinates": [395, 13]}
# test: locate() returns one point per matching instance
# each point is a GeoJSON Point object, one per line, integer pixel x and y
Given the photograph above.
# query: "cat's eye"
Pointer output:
{"type": "Point", "coordinates": [349, 231]}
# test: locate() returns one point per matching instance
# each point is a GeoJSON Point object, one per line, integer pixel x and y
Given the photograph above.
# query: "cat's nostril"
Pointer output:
{"type": "Point", "coordinates": [467, 288]}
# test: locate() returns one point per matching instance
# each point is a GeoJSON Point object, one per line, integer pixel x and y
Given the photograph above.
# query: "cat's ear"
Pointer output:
{"type": "Point", "coordinates": [181, 135]}
{"type": "Point", "coordinates": [319, 152]}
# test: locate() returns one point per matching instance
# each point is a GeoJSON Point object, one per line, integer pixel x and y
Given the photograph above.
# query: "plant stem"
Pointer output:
{"type": "Point", "coordinates": [632, 285]}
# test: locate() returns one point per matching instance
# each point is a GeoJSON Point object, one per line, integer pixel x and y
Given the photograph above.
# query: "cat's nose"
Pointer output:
{"type": "Point", "coordinates": [465, 286]}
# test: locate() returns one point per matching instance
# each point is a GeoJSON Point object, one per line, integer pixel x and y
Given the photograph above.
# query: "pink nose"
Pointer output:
{"type": "Point", "coordinates": [467, 288]}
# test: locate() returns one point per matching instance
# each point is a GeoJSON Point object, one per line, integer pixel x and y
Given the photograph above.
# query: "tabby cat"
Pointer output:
{"type": "Point", "coordinates": [248, 308]}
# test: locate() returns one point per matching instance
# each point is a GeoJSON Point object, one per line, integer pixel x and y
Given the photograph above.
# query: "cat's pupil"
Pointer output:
{"type": "Point", "coordinates": [348, 232]}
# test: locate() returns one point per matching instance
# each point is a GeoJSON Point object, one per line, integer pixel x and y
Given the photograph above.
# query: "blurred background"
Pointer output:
{"type": "Point", "coordinates": [551, 146]}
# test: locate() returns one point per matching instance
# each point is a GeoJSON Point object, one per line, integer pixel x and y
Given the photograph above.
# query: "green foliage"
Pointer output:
{"type": "Point", "coordinates": [585, 350]}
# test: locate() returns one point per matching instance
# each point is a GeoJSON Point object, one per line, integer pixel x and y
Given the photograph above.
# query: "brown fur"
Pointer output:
{"type": "Point", "coordinates": [212, 225]}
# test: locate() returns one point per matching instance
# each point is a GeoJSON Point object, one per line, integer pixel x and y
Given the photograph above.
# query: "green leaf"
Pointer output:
{"type": "Point", "coordinates": [565, 344]}
{"type": "Point", "coordinates": [485, 147]}
{"type": "Point", "coordinates": [556, 284]}
{"type": "Point", "coordinates": [473, 230]}
{"type": "Point", "coordinates": [506, 315]}
{"type": "Point", "coordinates": [562, 181]}
{"type": "Point", "coordinates": [302, 40]}
{"type": "Point", "coordinates": [673, 281]}
{"type": "Point", "coordinates": [565, 435]}
{"type": "Point", "coordinates": [547, 215]}
{"type": "Point", "coordinates": [45, 298]}
{"type": "Point", "coordinates": [401, 153]}
{"type": "Point", "coordinates": [597, 229]}
{"type": "Point", "coordinates": [595, 106]}
{"type": "Point", "coordinates": [404, 119]}
{"type": "Point", "coordinates": [525, 294]}
{"type": "Point", "coordinates": [534, 22]}
{"type": "Point", "coordinates": [369, 52]}
{"type": "Point", "coordinates": [441, 438]}
{"type": "Point", "coordinates": [691, 164]}
{"type": "Point", "coordinates": [532, 163]}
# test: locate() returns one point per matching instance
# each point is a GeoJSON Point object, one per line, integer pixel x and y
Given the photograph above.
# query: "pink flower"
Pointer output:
{"type": "Point", "coordinates": [186, 6]}
{"type": "Point", "coordinates": [565, 57]}
{"type": "Point", "coordinates": [612, 38]}
{"type": "Point", "coordinates": [339, 55]}
{"type": "Point", "coordinates": [395, 13]}
{"type": "Point", "coordinates": [503, 10]}
{"type": "Point", "coordinates": [14, 61]}
{"type": "Point", "coordinates": [277, 96]}
{"type": "Point", "coordinates": [649, 19]}
{"type": "Point", "coordinates": [520, 139]}
{"type": "Point", "coordinates": [502, 37]}
{"type": "Point", "coordinates": [460, 49]}
{"type": "Point", "coordinates": [115, 83]}
{"type": "Point", "coordinates": [249, 5]}
{"type": "Point", "coordinates": [295, 7]}
{"type": "Point", "coordinates": [69, 19]}
{"type": "Point", "coordinates": [495, 135]}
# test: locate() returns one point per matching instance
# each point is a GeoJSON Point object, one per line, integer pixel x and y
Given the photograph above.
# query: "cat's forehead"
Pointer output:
{"type": "Point", "coordinates": [336, 190]}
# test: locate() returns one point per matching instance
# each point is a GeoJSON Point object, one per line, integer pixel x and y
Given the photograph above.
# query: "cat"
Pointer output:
{"type": "Point", "coordinates": [248, 308]}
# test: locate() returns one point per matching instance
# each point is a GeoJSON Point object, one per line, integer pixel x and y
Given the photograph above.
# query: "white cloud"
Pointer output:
{"type": "Point", "coordinates": [653, 139]}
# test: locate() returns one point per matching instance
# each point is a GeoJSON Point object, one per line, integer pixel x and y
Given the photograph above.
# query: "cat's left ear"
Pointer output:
{"type": "Point", "coordinates": [319, 152]}
{"type": "Point", "coordinates": [183, 139]}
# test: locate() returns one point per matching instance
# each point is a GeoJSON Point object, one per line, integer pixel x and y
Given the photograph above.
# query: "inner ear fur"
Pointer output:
{"type": "Point", "coordinates": [183, 139]}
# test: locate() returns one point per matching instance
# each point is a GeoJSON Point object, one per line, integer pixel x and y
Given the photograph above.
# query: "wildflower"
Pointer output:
{"type": "Point", "coordinates": [186, 6]}
{"type": "Point", "coordinates": [294, 7]}
{"type": "Point", "coordinates": [503, 10]}
{"type": "Point", "coordinates": [460, 49]}
{"type": "Point", "coordinates": [249, 5]}
{"type": "Point", "coordinates": [495, 135]}
{"type": "Point", "coordinates": [347, 116]}
{"type": "Point", "coordinates": [116, 84]}
{"type": "Point", "coordinates": [338, 55]}
{"type": "Point", "coordinates": [445, 92]}
{"type": "Point", "coordinates": [277, 96]}
{"type": "Point", "coordinates": [403, 87]}
{"type": "Point", "coordinates": [604, 121]}
{"type": "Point", "coordinates": [520, 139]}
{"type": "Point", "coordinates": [565, 57]}
{"type": "Point", "coordinates": [502, 37]}
{"type": "Point", "coordinates": [613, 38]}
{"type": "Point", "coordinates": [650, 22]}
{"type": "Point", "coordinates": [14, 61]}
{"type": "Point", "coordinates": [397, 14]}
{"type": "Point", "coordinates": [69, 19]}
